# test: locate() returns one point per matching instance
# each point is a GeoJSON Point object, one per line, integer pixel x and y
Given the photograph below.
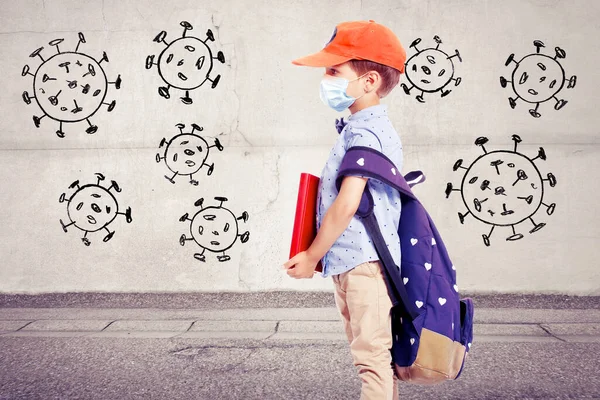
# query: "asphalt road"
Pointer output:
{"type": "Point", "coordinates": [115, 368]}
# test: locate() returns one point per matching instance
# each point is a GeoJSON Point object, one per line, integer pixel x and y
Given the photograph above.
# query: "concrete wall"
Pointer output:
{"type": "Point", "coordinates": [268, 117]}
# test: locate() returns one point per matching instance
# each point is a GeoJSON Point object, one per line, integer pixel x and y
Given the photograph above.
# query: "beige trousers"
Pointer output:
{"type": "Point", "coordinates": [361, 297]}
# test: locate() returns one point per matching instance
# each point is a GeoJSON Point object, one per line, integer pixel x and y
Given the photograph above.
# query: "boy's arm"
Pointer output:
{"type": "Point", "coordinates": [336, 220]}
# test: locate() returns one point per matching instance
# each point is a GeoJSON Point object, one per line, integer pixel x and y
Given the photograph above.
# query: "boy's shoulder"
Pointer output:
{"type": "Point", "coordinates": [376, 132]}
{"type": "Point", "coordinates": [357, 134]}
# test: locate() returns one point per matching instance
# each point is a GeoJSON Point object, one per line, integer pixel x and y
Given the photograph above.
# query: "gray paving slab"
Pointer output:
{"type": "Point", "coordinates": [77, 325]}
{"type": "Point", "coordinates": [234, 326]}
{"type": "Point", "coordinates": [514, 339]}
{"type": "Point", "coordinates": [43, 334]}
{"type": "Point", "coordinates": [509, 329]}
{"type": "Point", "coordinates": [254, 335]}
{"type": "Point", "coordinates": [150, 325]}
{"type": "Point", "coordinates": [574, 329]}
{"type": "Point", "coordinates": [580, 338]}
{"type": "Point", "coordinates": [310, 336]}
{"type": "Point", "coordinates": [311, 326]}
{"type": "Point", "coordinates": [482, 315]}
{"type": "Point", "coordinates": [536, 316]}
{"type": "Point", "coordinates": [13, 325]}
{"type": "Point", "coordinates": [133, 334]}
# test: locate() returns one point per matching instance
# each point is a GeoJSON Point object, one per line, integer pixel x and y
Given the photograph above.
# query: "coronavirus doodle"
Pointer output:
{"type": "Point", "coordinates": [92, 208]}
{"type": "Point", "coordinates": [186, 63]}
{"type": "Point", "coordinates": [538, 78]}
{"type": "Point", "coordinates": [69, 86]}
{"type": "Point", "coordinates": [215, 229]}
{"type": "Point", "coordinates": [186, 153]}
{"type": "Point", "coordinates": [503, 188]}
{"type": "Point", "coordinates": [430, 70]}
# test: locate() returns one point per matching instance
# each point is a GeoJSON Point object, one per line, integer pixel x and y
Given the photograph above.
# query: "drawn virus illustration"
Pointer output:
{"type": "Point", "coordinates": [538, 78]}
{"type": "Point", "coordinates": [69, 86]}
{"type": "Point", "coordinates": [430, 70]}
{"type": "Point", "coordinates": [186, 153]}
{"type": "Point", "coordinates": [215, 229]}
{"type": "Point", "coordinates": [186, 63]}
{"type": "Point", "coordinates": [92, 208]}
{"type": "Point", "coordinates": [503, 188]}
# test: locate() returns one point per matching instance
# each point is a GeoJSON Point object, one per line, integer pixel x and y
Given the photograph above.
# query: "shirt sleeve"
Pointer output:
{"type": "Point", "coordinates": [360, 137]}
{"type": "Point", "coordinates": [363, 138]}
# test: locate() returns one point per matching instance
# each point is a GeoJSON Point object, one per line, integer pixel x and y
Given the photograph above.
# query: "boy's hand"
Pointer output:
{"type": "Point", "coordinates": [301, 266]}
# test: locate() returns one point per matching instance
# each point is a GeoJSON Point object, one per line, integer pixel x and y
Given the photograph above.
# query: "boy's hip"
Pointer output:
{"type": "Point", "coordinates": [365, 273]}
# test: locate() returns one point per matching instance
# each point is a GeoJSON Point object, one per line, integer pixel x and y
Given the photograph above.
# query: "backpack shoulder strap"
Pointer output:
{"type": "Point", "coordinates": [370, 163]}
{"type": "Point", "coordinates": [366, 162]}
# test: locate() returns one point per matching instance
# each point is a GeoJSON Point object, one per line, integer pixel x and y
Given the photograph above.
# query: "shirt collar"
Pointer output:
{"type": "Point", "coordinates": [369, 112]}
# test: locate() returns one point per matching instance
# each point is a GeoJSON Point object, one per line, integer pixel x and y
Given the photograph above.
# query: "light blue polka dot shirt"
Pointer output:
{"type": "Point", "coordinates": [369, 127]}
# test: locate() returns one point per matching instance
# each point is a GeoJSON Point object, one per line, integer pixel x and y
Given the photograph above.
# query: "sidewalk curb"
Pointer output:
{"type": "Point", "coordinates": [482, 315]}
{"type": "Point", "coordinates": [272, 324]}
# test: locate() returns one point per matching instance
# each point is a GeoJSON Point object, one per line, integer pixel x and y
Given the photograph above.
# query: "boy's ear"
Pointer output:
{"type": "Point", "coordinates": [374, 79]}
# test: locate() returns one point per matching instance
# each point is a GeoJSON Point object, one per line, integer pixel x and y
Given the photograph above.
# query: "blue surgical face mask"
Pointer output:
{"type": "Point", "coordinates": [333, 93]}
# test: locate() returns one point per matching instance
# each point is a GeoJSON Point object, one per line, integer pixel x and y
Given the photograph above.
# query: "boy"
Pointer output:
{"type": "Point", "coordinates": [363, 62]}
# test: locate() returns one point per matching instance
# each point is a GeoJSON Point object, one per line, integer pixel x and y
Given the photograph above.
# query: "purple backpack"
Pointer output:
{"type": "Point", "coordinates": [432, 327]}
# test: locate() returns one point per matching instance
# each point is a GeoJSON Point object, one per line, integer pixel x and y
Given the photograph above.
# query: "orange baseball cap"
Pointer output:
{"type": "Point", "coordinates": [359, 40]}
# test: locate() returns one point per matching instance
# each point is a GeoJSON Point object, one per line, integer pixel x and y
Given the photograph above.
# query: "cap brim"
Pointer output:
{"type": "Point", "coordinates": [321, 59]}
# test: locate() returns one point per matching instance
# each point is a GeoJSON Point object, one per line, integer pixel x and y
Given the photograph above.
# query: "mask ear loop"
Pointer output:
{"type": "Point", "coordinates": [358, 79]}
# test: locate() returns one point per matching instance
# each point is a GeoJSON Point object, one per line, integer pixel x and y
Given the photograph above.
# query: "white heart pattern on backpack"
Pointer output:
{"type": "Point", "coordinates": [394, 171]}
{"type": "Point", "coordinates": [433, 241]}
{"type": "Point", "coordinates": [453, 326]}
{"type": "Point", "coordinates": [414, 241]}
{"type": "Point", "coordinates": [412, 341]}
{"type": "Point", "coordinates": [419, 304]}
{"type": "Point", "coordinates": [361, 162]}
{"type": "Point", "coordinates": [456, 288]}
{"type": "Point", "coordinates": [427, 266]}
{"type": "Point", "coordinates": [442, 301]}
{"type": "Point", "coordinates": [453, 267]}
{"type": "Point", "coordinates": [405, 280]}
